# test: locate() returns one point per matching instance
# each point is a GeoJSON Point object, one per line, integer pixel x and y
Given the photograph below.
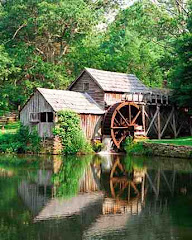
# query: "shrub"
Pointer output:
{"type": "Point", "coordinates": [69, 131]}
{"type": "Point", "coordinates": [97, 145]}
{"type": "Point", "coordinates": [135, 148]}
{"type": "Point", "coordinates": [22, 141]}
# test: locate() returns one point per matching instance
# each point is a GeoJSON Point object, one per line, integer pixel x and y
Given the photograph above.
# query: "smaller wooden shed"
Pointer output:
{"type": "Point", "coordinates": [42, 107]}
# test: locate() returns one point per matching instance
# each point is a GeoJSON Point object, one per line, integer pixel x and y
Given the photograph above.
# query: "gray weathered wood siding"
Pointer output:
{"type": "Point", "coordinates": [91, 125]}
{"type": "Point", "coordinates": [37, 104]}
{"type": "Point", "coordinates": [94, 90]}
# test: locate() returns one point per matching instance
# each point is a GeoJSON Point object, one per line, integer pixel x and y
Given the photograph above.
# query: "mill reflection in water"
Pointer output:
{"type": "Point", "coordinates": [114, 197]}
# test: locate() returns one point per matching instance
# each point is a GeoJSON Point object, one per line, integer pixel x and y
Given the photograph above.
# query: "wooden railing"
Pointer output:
{"type": "Point", "coordinates": [152, 98]}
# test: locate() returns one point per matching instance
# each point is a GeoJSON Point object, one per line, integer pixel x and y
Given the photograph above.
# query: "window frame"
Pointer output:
{"type": "Point", "coordinates": [85, 88]}
{"type": "Point", "coordinates": [34, 119]}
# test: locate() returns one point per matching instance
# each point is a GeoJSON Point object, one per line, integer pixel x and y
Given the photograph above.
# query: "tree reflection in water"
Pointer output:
{"type": "Point", "coordinates": [90, 196]}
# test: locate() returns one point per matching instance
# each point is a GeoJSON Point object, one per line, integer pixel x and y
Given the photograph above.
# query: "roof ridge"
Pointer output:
{"type": "Point", "coordinates": [131, 74]}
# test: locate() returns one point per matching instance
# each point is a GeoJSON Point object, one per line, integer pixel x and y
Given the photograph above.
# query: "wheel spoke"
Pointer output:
{"type": "Point", "coordinates": [117, 121]}
{"type": "Point", "coordinates": [135, 118]}
{"type": "Point", "coordinates": [123, 117]}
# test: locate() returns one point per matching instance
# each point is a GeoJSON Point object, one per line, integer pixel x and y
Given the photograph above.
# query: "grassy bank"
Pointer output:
{"type": "Point", "coordinates": [137, 148]}
{"type": "Point", "coordinates": [10, 128]}
{"type": "Point", "coordinates": [183, 141]}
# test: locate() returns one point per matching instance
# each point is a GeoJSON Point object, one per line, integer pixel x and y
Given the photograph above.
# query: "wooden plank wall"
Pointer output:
{"type": "Point", "coordinates": [112, 98]}
{"type": "Point", "coordinates": [91, 125]}
{"type": "Point", "coordinates": [37, 104]}
{"type": "Point", "coordinates": [94, 90]}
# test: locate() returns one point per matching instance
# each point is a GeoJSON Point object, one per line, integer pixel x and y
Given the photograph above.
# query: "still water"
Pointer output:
{"type": "Point", "coordinates": [94, 197]}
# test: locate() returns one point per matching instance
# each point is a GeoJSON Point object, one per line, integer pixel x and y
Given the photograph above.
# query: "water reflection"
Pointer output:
{"type": "Point", "coordinates": [94, 197]}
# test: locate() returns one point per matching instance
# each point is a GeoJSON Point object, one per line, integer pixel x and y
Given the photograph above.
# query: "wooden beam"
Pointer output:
{"type": "Point", "coordinates": [152, 121]}
{"type": "Point", "coordinates": [178, 131]}
{"type": "Point", "coordinates": [143, 118]}
{"type": "Point", "coordinates": [167, 122]}
{"type": "Point", "coordinates": [117, 121]}
{"type": "Point", "coordinates": [129, 113]}
{"type": "Point", "coordinates": [123, 117]}
{"type": "Point", "coordinates": [154, 124]}
{"type": "Point", "coordinates": [158, 122]}
{"type": "Point", "coordinates": [174, 125]}
{"type": "Point", "coordinates": [135, 118]}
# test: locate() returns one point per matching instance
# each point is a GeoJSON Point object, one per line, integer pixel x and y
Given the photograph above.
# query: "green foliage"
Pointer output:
{"type": "Point", "coordinates": [135, 148]}
{"type": "Point", "coordinates": [69, 131]}
{"type": "Point", "coordinates": [21, 141]}
{"type": "Point", "coordinates": [97, 145]}
{"type": "Point", "coordinates": [137, 42]}
{"type": "Point", "coordinates": [182, 71]}
{"type": "Point", "coordinates": [46, 43]}
{"type": "Point", "coordinates": [35, 39]}
{"type": "Point", "coordinates": [69, 175]}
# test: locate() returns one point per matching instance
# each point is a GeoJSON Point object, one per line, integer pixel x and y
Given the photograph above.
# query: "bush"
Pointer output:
{"type": "Point", "coordinates": [22, 141]}
{"type": "Point", "coordinates": [69, 131]}
{"type": "Point", "coordinates": [97, 145]}
{"type": "Point", "coordinates": [135, 148]}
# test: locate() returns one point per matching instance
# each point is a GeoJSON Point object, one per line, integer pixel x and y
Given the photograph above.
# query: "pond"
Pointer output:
{"type": "Point", "coordinates": [95, 197]}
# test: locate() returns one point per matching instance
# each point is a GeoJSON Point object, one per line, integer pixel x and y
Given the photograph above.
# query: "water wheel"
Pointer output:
{"type": "Point", "coordinates": [120, 121]}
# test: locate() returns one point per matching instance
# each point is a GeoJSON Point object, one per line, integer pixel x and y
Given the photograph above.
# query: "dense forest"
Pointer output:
{"type": "Point", "coordinates": [46, 43]}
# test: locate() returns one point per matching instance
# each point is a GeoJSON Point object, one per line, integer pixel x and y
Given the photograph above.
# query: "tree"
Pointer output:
{"type": "Point", "coordinates": [182, 72]}
{"type": "Point", "coordinates": [39, 34]}
{"type": "Point", "coordinates": [138, 41]}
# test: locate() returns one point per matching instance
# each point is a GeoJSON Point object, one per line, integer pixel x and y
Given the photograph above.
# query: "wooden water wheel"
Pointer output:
{"type": "Point", "coordinates": [120, 121]}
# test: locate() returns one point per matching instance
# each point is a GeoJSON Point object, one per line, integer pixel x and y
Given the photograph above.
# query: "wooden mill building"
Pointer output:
{"type": "Point", "coordinates": [109, 104]}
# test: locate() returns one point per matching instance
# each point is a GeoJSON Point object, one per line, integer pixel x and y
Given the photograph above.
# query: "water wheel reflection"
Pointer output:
{"type": "Point", "coordinates": [122, 181]}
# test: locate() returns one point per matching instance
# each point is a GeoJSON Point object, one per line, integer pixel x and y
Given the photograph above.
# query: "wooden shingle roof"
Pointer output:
{"type": "Point", "coordinates": [115, 81]}
{"type": "Point", "coordinates": [76, 101]}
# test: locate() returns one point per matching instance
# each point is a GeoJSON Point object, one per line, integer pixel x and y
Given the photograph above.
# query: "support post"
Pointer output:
{"type": "Point", "coordinates": [174, 125]}
{"type": "Point", "coordinates": [167, 122]}
{"type": "Point", "coordinates": [143, 118]}
{"type": "Point", "coordinates": [158, 122]}
{"type": "Point", "coordinates": [152, 122]}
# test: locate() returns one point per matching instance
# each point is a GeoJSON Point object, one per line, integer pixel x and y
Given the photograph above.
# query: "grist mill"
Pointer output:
{"type": "Point", "coordinates": [110, 105]}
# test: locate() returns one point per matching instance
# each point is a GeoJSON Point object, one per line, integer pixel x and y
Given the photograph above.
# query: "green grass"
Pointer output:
{"type": "Point", "coordinates": [10, 128]}
{"type": "Point", "coordinates": [183, 141]}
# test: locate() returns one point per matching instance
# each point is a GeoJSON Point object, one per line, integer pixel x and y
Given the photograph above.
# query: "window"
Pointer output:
{"type": "Point", "coordinates": [50, 116]}
{"type": "Point", "coordinates": [34, 117]}
{"type": "Point", "coordinates": [46, 117]}
{"type": "Point", "coordinates": [85, 87]}
{"type": "Point", "coordinates": [43, 117]}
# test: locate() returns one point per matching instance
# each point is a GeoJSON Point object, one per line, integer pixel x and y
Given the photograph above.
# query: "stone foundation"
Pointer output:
{"type": "Point", "coordinates": [51, 146]}
{"type": "Point", "coordinates": [168, 150]}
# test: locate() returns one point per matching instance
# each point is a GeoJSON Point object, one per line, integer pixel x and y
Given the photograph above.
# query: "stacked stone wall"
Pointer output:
{"type": "Point", "coordinates": [168, 150]}
{"type": "Point", "coordinates": [51, 146]}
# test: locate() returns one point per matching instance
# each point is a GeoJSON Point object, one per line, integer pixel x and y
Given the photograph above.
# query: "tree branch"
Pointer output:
{"type": "Point", "coordinates": [20, 27]}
